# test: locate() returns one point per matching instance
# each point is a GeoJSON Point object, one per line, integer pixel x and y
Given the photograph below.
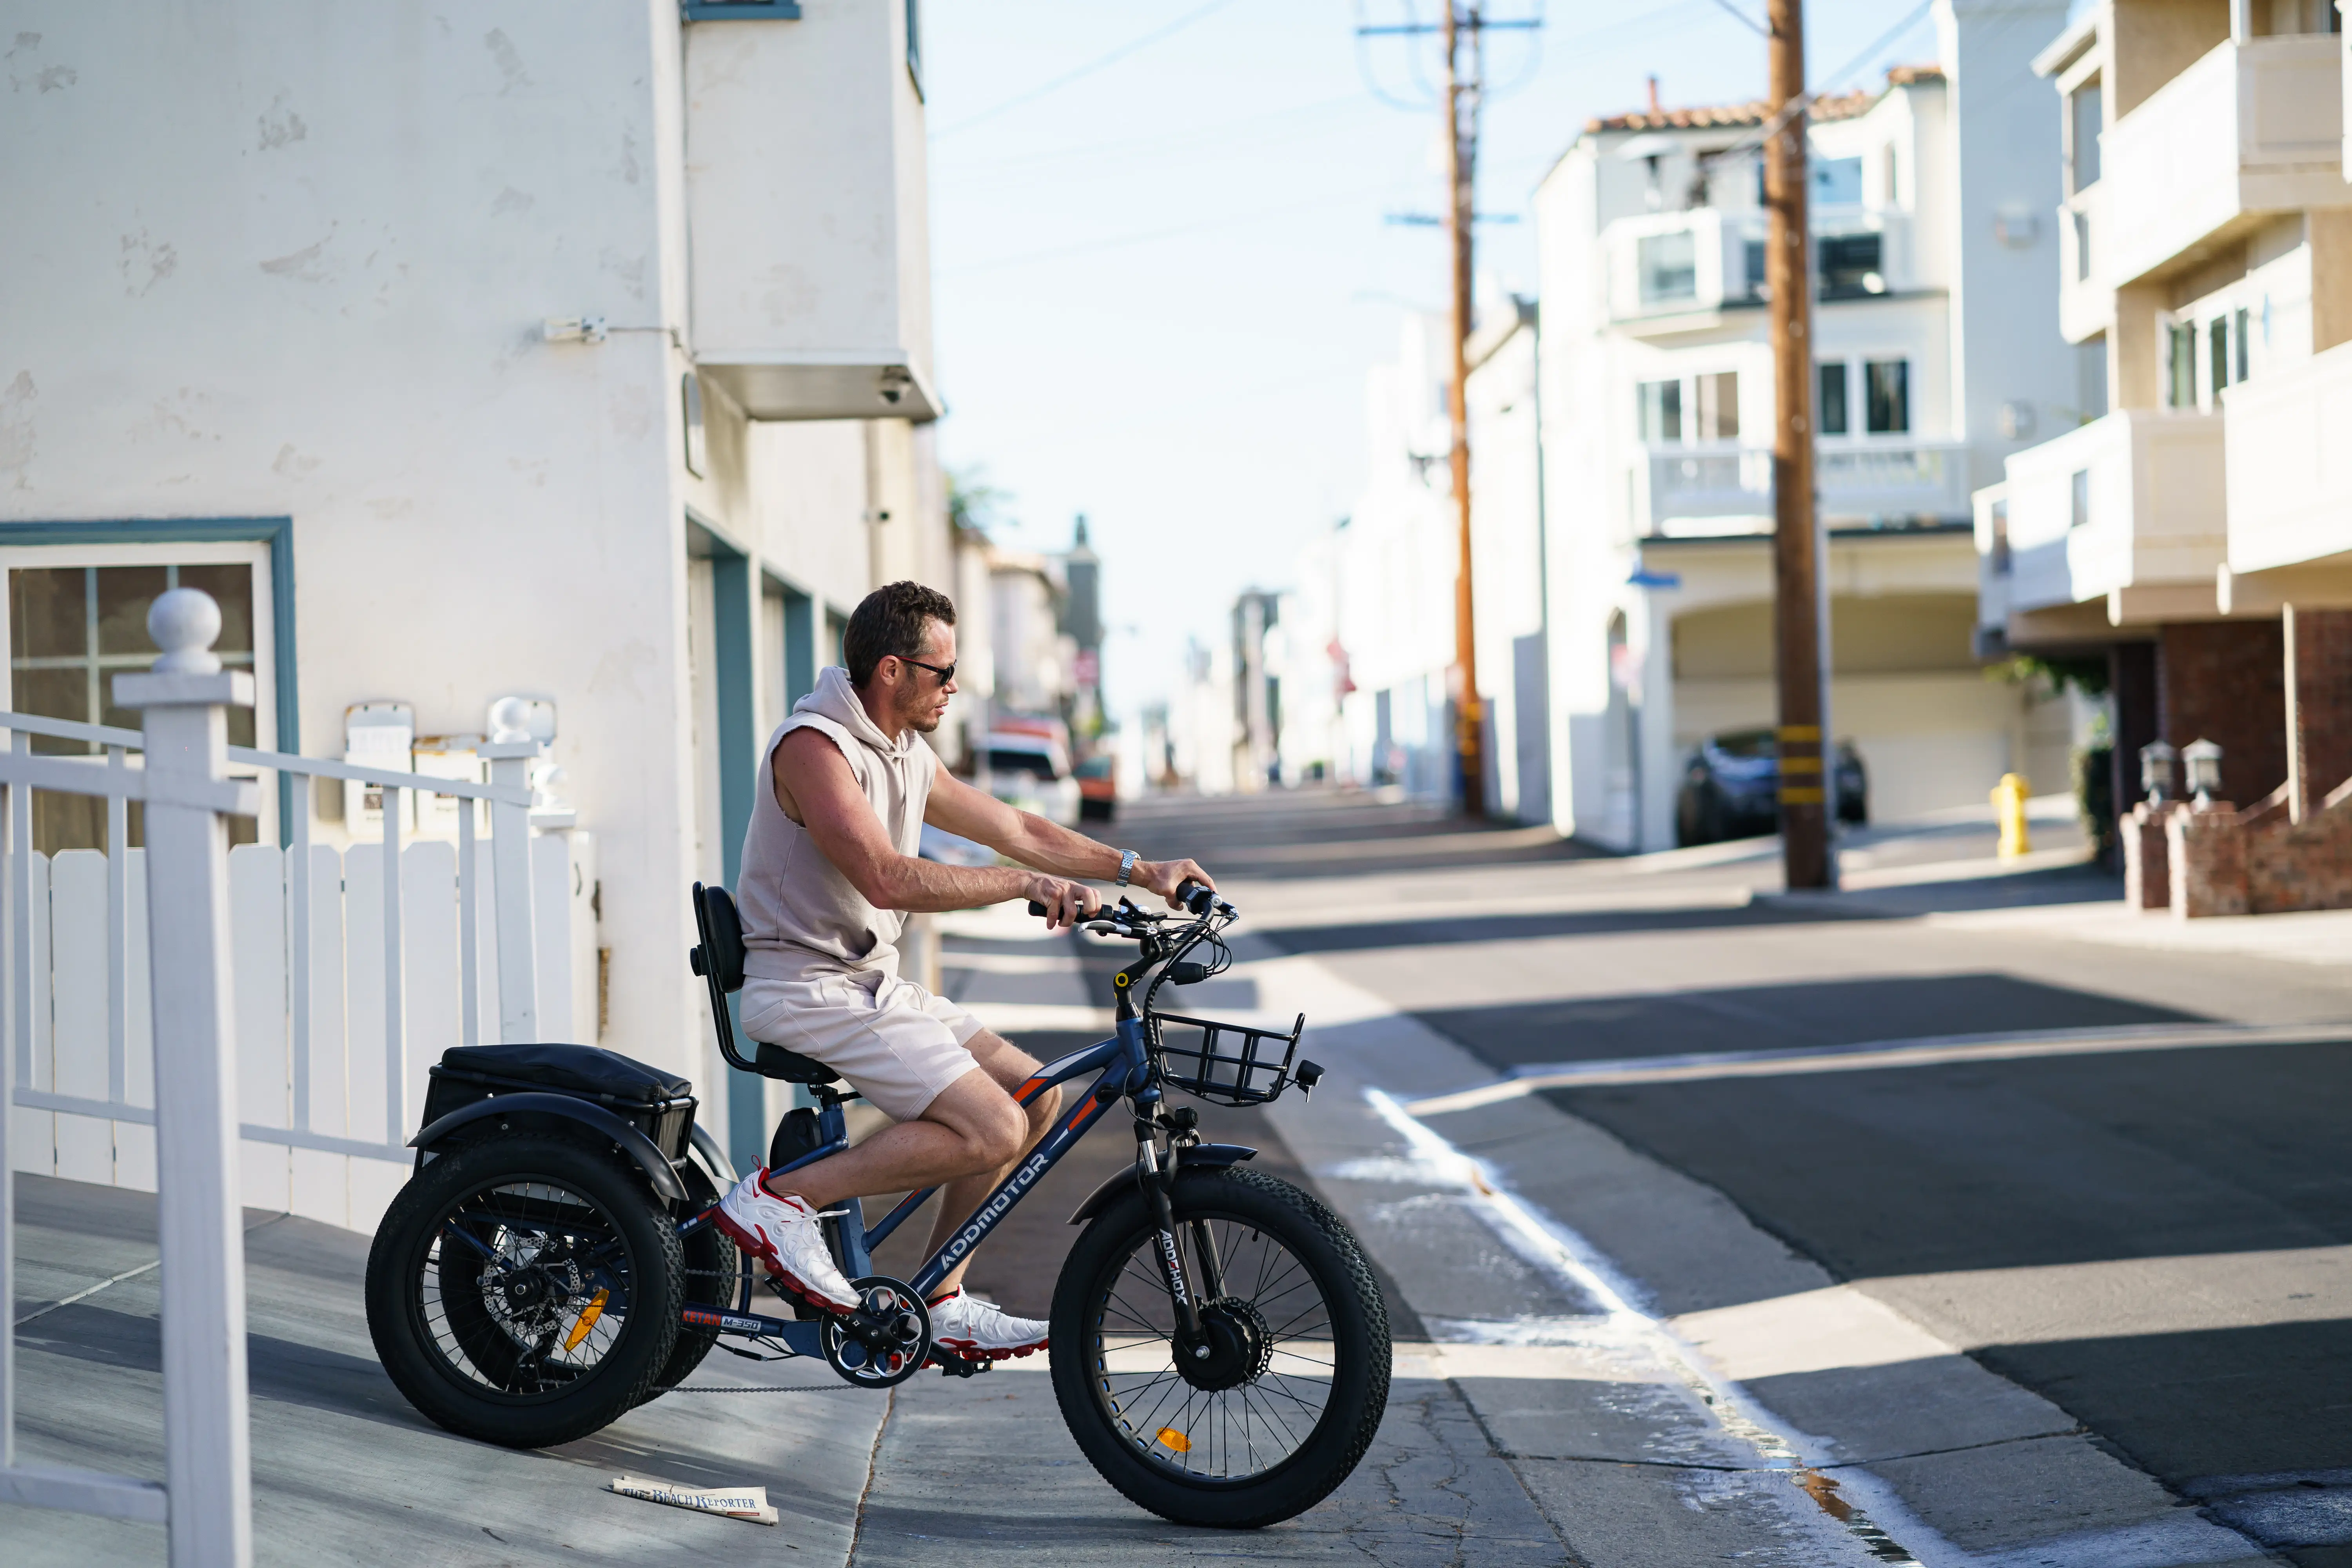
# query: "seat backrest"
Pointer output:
{"type": "Point", "coordinates": [722, 936]}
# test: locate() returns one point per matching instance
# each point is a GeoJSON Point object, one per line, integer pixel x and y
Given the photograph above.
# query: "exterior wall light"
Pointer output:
{"type": "Point", "coordinates": [2204, 760]}
{"type": "Point", "coordinates": [2159, 771]}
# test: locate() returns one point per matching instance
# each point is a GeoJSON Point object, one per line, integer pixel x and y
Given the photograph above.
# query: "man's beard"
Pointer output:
{"type": "Point", "coordinates": [928, 720]}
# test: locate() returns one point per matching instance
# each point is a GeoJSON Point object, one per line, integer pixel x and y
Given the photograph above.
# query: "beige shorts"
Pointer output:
{"type": "Point", "coordinates": [896, 1043]}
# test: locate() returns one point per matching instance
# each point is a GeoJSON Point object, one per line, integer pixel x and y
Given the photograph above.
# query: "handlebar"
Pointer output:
{"type": "Point", "coordinates": [1198, 899]}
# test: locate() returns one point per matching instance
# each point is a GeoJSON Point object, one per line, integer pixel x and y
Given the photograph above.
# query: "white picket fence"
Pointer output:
{"type": "Point", "coordinates": [295, 1104]}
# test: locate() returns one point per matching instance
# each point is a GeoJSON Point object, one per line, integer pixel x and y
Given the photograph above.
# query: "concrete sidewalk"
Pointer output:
{"type": "Point", "coordinates": [344, 1470]}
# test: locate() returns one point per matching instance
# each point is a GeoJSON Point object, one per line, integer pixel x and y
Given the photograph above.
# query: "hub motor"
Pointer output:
{"type": "Point", "coordinates": [1233, 1349]}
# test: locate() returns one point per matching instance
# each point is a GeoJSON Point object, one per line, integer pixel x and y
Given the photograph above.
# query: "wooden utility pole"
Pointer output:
{"type": "Point", "coordinates": [1461, 165]}
{"type": "Point", "coordinates": [1797, 608]}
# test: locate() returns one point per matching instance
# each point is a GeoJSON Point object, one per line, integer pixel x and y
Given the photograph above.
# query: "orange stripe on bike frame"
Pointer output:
{"type": "Point", "coordinates": [1028, 1091]}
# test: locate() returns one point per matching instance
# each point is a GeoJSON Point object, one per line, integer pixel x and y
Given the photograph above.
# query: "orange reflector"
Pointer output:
{"type": "Point", "coordinates": [588, 1316]}
{"type": "Point", "coordinates": [1175, 1440]}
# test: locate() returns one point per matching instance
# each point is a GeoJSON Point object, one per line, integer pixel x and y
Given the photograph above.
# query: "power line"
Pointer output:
{"type": "Point", "coordinates": [1066, 78]}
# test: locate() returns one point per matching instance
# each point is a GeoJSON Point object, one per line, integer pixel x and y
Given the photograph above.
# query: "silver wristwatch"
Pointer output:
{"type": "Point", "coordinates": [1126, 867]}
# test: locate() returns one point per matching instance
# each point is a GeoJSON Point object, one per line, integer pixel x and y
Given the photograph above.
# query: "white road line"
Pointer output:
{"type": "Point", "coordinates": [1542, 1238]}
{"type": "Point", "coordinates": [1876, 1056]}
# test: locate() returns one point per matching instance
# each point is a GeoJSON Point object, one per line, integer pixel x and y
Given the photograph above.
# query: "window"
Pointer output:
{"type": "Point", "coordinates": [1668, 264]}
{"type": "Point", "coordinates": [1662, 410]}
{"type": "Point", "coordinates": [1886, 397]}
{"type": "Point", "coordinates": [71, 630]}
{"type": "Point", "coordinates": [1718, 407]}
{"type": "Point", "coordinates": [2217, 348]}
{"type": "Point", "coordinates": [2000, 538]}
{"type": "Point", "coordinates": [1830, 411]}
{"type": "Point", "coordinates": [1836, 182]}
{"type": "Point", "coordinates": [2082, 125]}
{"type": "Point", "coordinates": [1851, 266]}
{"type": "Point", "coordinates": [2180, 366]}
{"type": "Point", "coordinates": [2079, 499]}
{"type": "Point", "coordinates": [1752, 256]}
{"type": "Point", "coordinates": [2241, 341]}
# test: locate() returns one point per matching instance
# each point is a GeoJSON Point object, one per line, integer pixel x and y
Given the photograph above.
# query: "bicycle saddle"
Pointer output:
{"type": "Point", "coordinates": [774, 1061]}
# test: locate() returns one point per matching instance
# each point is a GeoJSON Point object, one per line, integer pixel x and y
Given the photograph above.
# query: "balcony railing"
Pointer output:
{"type": "Point", "coordinates": [1726, 490]}
{"type": "Point", "coordinates": [2251, 128]}
{"type": "Point", "coordinates": [2132, 500]}
{"type": "Point", "coordinates": [2290, 469]}
{"type": "Point", "coordinates": [1667, 265]}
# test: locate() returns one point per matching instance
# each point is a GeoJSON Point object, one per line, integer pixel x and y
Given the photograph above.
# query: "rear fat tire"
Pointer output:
{"type": "Point", "coordinates": [1317, 1238]}
{"type": "Point", "coordinates": [639, 1353]}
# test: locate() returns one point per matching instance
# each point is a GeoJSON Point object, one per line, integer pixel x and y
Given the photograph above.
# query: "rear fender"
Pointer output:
{"type": "Point", "coordinates": [1199, 1156]}
{"type": "Point", "coordinates": [586, 1113]}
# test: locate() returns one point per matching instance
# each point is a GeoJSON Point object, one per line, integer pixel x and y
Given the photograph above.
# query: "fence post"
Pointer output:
{"type": "Point", "coordinates": [200, 1216]}
{"type": "Point", "coordinates": [509, 752]}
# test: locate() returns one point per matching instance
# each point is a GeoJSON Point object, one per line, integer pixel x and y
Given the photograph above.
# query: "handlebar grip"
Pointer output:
{"type": "Point", "coordinates": [1197, 897]}
{"type": "Point", "coordinates": [1036, 908]}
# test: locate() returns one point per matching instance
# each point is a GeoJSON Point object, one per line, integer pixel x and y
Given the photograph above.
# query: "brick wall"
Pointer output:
{"type": "Point", "coordinates": [2148, 872]}
{"type": "Point", "coordinates": [2225, 681]}
{"type": "Point", "coordinates": [2319, 697]}
{"type": "Point", "coordinates": [2224, 862]}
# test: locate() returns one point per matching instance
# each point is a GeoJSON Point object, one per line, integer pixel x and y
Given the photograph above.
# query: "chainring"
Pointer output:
{"type": "Point", "coordinates": [861, 1364]}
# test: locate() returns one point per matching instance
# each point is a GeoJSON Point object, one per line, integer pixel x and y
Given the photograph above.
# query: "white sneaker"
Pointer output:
{"type": "Point", "coordinates": [786, 1235]}
{"type": "Point", "coordinates": [982, 1330]}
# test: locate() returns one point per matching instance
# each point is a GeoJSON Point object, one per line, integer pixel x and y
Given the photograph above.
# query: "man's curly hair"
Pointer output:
{"type": "Point", "coordinates": [890, 621]}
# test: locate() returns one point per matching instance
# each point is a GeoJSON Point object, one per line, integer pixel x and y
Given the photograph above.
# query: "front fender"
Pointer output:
{"type": "Point", "coordinates": [588, 1113]}
{"type": "Point", "coordinates": [1200, 1154]}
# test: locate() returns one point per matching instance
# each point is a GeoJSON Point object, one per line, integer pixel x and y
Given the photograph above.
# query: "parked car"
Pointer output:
{"type": "Point", "coordinates": [1098, 789]}
{"type": "Point", "coordinates": [1731, 787]}
{"type": "Point", "coordinates": [1032, 771]}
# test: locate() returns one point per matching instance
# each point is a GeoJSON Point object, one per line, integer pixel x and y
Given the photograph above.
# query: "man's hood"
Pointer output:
{"type": "Point", "coordinates": [836, 699]}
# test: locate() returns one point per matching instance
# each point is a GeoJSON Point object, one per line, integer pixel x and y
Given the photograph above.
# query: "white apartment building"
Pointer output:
{"type": "Point", "coordinates": [1383, 587]}
{"type": "Point", "coordinates": [1936, 354]}
{"type": "Point", "coordinates": [2206, 258]}
{"type": "Point", "coordinates": [576, 352]}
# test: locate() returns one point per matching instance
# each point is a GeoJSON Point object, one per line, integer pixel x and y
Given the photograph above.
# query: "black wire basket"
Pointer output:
{"type": "Point", "coordinates": [1234, 1064]}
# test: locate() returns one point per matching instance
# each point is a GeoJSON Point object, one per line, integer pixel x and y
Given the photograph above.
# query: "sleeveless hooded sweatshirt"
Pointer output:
{"type": "Point", "coordinates": [800, 912]}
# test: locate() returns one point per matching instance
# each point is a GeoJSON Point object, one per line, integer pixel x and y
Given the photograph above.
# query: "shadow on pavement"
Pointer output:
{"type": "Point", "coordinates": [1763, 1017]}
{"type": "Point", "coordinates": [1457, 929]}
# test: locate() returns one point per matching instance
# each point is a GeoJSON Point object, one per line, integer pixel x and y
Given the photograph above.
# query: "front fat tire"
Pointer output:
{"type": "Point", "coordinates": [1359, 1326]}
{"type": "Point", "coordinates": [628, 1372]}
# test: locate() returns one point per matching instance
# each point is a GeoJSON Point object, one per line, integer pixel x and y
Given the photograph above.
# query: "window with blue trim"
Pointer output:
{"type": "Point", "coordinates": [71, 630]}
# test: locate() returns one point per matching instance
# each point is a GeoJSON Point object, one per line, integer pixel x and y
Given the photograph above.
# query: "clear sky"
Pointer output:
{"type": "Point", "coordinates": [1162, 264]}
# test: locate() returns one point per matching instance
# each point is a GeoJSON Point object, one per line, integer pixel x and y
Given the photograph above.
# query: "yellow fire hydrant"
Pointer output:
{"type": "Point", "coordinates": [2009, 811]}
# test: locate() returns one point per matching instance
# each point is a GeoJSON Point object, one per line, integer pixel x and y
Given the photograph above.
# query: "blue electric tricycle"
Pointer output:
{"type": "Point", "coordinates": [1219, 1348]}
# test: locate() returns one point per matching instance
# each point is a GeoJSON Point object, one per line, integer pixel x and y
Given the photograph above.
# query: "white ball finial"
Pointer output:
{"type": "Point", "coordinates": [185, 623]}
{"type": "Point", "coordinates": [509, 720]}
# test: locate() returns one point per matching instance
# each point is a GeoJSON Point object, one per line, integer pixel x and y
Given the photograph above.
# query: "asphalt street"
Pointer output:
{"type": "Point", "coordinates": [2146, 1241]}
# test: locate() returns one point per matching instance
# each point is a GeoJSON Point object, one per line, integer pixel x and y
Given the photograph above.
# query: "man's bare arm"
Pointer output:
{"type": "Point", "coordinates": [815, 788]}
{"type": "Point", "coordinates": [1029, 838]}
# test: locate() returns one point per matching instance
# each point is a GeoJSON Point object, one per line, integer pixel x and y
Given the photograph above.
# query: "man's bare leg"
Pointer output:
{"type": "Point", "coordinates": [969, 1138]}
{"type": "Point", "coordinates": [1008, 1068]}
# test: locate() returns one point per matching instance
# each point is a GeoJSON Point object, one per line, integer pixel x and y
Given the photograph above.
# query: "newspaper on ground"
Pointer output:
{"type": "Point", "coordinates": [736, 1502]}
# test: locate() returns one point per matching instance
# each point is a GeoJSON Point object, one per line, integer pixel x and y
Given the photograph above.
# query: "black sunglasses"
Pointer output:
{"type": "Point", "coordinates": [945, 675]}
